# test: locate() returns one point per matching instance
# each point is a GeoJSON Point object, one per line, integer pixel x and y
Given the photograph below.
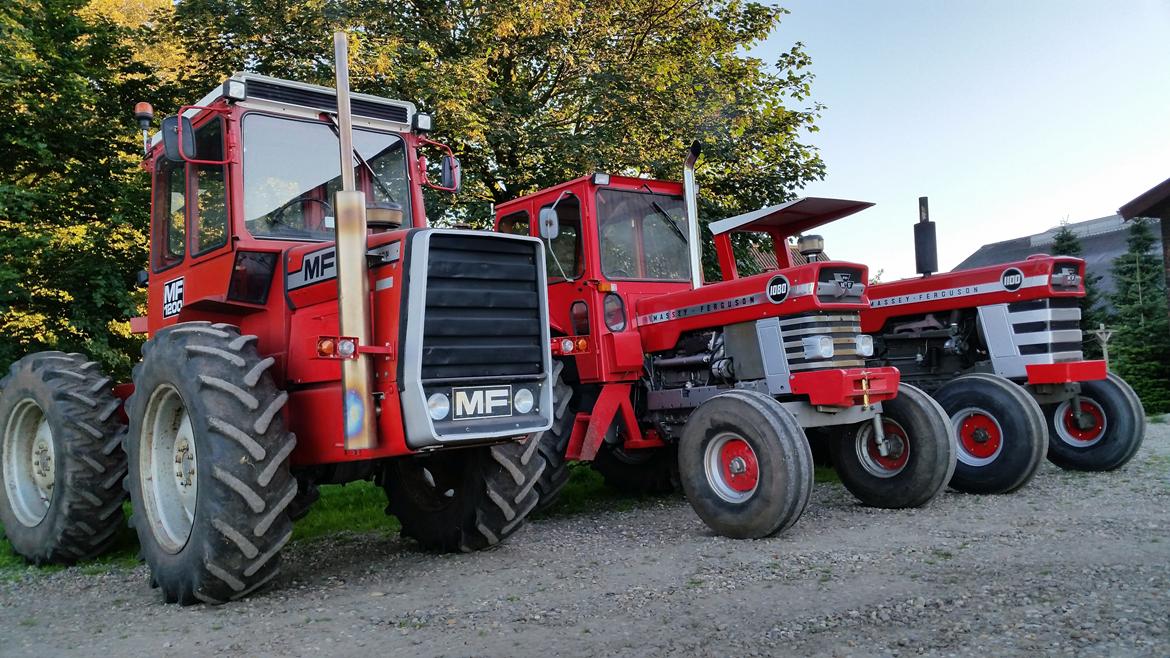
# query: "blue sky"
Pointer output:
{"type": "Point", "coordinates": [1009, 115]}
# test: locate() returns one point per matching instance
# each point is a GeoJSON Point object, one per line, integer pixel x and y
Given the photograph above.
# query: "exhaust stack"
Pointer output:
{"type": "Point", "coordinates": [925, 244]}
{"type": "Point", "coordinates": [691, 194]}
{"type": "Point", "coordinates": [353, 286]}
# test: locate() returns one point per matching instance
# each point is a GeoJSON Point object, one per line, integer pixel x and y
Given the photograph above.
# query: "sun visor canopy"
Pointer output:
{"type": "Point", "coordinates": [792, 217]}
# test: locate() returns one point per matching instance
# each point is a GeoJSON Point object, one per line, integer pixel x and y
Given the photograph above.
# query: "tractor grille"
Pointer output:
{"type": "Point", "coordinates": [482, 315]}
{"type": "Point", "coordinates": [1047, 326]}
{"type": "Point", "coordinates": [844, 329]}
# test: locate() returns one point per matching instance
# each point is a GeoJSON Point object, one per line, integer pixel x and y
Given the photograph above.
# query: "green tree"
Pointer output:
{"type": "Point", "coordinates": [72, 199]}
{"type": "Point", "coordinates": [532, 94]}
{"type": "Point", "coordinates": [1140, 348]}
{"type": "Point", "coordinates": [1066, 243]}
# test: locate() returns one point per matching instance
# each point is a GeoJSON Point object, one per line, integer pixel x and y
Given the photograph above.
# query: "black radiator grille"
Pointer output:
{"type": "Point", "coordinates": [482, 316]}
{"type": "Point", "coordinates": [1047, 326]}
{"type": "Point", "coordinates": [842, 327]}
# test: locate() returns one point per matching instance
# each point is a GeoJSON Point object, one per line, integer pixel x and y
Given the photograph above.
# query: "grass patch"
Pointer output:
{"type": "Point", "coordinates": [357, 507]}
{"type": "Point", "coordinates": [1159, 419]}
{"type": "Point", "coordinates": [824, 474]}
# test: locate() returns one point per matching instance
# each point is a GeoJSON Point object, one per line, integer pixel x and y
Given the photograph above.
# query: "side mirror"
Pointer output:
{"type": "Point", "coordinates": [142, 278]}
{"type": "Point", "coordinates": [550, 224]}
{"type": "Point", "coordinates": [451, 173]}
{"type": "Point", "coordinates": [176, 152]}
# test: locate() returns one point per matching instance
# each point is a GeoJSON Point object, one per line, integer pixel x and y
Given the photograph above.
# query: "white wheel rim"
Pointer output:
{"type": "Point", "coordinates": [717, 478]}
{"type": "Point", "coordinates": [167, 465]}
{"type": "Point", "coordinates": [875, 464]}
{"type": "Point", "coordinates": [1062, 430]}
{"type": "Point", "coordinates": [29, 462]}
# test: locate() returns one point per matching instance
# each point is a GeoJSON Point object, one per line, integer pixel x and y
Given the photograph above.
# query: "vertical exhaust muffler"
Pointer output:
{"type": "Point", "coordinates": [925, 242]}
{"type": "Point", "coordinates": [353, 285]}
{"type": "Point", "coordinates": [691, 194]}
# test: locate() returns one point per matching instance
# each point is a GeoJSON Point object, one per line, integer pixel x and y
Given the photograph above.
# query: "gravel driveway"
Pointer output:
{"type": "Point", "coordinates": [1075, 564]}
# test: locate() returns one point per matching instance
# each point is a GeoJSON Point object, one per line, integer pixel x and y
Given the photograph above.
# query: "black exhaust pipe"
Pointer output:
{"type": "Point", "coordinates": [925, 242]}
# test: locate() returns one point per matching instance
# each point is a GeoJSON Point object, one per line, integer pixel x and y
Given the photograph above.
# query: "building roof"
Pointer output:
{"type": "Point", "coordinates": [1154, 202]}
{"type": "Point", "coordinates": [1102, 240]}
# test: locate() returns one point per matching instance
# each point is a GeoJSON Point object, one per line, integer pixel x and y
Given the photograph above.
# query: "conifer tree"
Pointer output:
{"type": "Point", "coordinates": [1140, 349]}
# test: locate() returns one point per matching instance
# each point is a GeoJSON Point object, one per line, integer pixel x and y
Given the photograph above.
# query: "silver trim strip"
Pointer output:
{"type": "Point", "coordinates": [949, 293]}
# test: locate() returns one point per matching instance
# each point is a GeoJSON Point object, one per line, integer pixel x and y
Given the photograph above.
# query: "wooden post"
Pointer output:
{"type": "Point", "coordinates": [1103, 336]}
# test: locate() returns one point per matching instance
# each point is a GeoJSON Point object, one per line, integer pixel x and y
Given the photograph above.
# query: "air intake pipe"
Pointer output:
{"type": "Point", "coordinates": [353, 284]}
{"type": "Point", "coordinates": [925, 243]}
{"type": "Point", "coordinates": [691, 192]}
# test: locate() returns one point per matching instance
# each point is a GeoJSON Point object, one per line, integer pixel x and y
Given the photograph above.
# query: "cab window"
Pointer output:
{"type": "Point", "coordinates": [643, 236]}
{"type": "Point", "coordinates": [565, 260]}
{"type": "Point", "coordinates": [170, 213]}
{"type": "Point", "coordinates": [209, 183]}
{"type": "Point", "coordinates": [517, 223]}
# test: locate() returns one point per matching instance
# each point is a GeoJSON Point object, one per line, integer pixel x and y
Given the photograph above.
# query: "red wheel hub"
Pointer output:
{"type": "Point", "coordinates": [737, 460]}
{"type": "Point", "coordinates": [898, 447]}
{"type": "Point", "coordinates": [1093, 412]}
{"type": "Point", "coordinates": [980, 435]}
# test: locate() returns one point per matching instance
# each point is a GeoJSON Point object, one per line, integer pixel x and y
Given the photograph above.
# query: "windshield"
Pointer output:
{"type": "Point", "coordinates": [292, 170]}
{"type": "Point", "coordinates": [643, 236]}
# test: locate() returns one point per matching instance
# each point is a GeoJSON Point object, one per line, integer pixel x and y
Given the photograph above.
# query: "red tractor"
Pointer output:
{"type": "Point", "coordinates": [305, 328]}
{"type": "Point", "coordinates": [1000, 348]}
{"type": "Point", "coordinates": [650, 361]}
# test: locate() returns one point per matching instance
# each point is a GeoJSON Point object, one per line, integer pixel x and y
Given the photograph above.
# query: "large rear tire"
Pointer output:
{"type": "Point", "coordinates": [61, 480]}
{"type": "Point", "coordinates": [464, 499]}
{"type": "Point", "coordinates": [745, 465]}
{"type": "Point", "coordinates": [552, 443]}
{"type": "Point", "coordinates": [1000, 432]}
{"type": "Point", "coordinates": [1113, 435]}
{"type": "Point", "coordinates": [920, 463]}
{"type": "Point", "coordinates": [208, 455]}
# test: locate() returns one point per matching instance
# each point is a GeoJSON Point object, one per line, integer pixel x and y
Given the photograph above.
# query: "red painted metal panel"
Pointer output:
{"type": "Point", "coordinates": [1063, 373]}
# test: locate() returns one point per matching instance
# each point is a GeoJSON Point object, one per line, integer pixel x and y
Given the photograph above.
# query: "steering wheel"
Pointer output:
{"type": "Point", "coordinates": [276, 216]}
{"type": "Point", "coordinates": [620, 274]}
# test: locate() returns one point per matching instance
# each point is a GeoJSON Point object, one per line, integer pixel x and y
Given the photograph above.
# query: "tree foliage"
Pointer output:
{"type": "Point", "coordinates": [534, 94]}
{"type": "Point", "coordinates": [72, 200]}
{"type": "Point", "coordinates": [528, 95]}
{"type": "Point", "coordinates": [1140, 348]}
{"type": "Point", "coordinates": [1066, 243]}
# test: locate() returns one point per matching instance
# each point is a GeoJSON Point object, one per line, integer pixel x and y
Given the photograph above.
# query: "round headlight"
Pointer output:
{"type": "Point", "coordinates": [524, 401]}
{"type": "Point", "coordinates": [438, 406]}
{"type": "Point", "coordinates": [566, 346]}
{"type": "Point", "coordinates": [346, 347]}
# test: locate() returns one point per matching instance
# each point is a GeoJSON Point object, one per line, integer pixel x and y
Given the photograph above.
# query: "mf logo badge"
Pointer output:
{"type": "Point", "coordinates": [172, 297]}
{"type": "Point", "coordinates": [1011, 279]}
{"type": "Point", "coordinates": [316, 267]}
{"type": "Point", "coordinates": [482, 402]}
{"type": "Point", "coordinates": [844, 280]}
{"type": "Point", "coordinates": [777, 289]}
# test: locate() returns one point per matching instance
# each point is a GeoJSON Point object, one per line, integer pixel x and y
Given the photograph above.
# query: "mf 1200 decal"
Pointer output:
{"type": "Point", "coordinates": [321, 265]}
{"type": "Point", "coordinates": [172, 298]}
{"type": "Point", "coordinates": [1010, 280]}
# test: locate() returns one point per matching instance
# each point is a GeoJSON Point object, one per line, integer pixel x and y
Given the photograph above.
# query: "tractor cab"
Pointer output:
{"type": "Point", "coordinates": [251, 172]}
{"type": "Point", "coordinates": [611, 241]}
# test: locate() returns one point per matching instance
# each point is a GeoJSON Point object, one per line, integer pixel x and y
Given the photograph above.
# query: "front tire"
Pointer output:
{"type": "Point", "coordinates": [919, 464]}
{"type": "Point", "coordinates": [1000, 432]}
{"type": "Point", "coordinates": [553, 442]}
{"type": "Point", "coordinates": [464, 499]}
{"type": "Point", "coordinates": [1115, 427]}
{"type": "Point", "coordinates": [208, 455]}
{"type": "Point", "coordinates": [745, 465]}
{"type": "Point", "coordinates": [62, 465]}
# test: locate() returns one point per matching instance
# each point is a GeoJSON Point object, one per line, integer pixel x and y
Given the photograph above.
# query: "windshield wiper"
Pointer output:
{"type": "Point", "coordinates": [669, 221]}
{"type": "Point", "coordinates": [360, 159]}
